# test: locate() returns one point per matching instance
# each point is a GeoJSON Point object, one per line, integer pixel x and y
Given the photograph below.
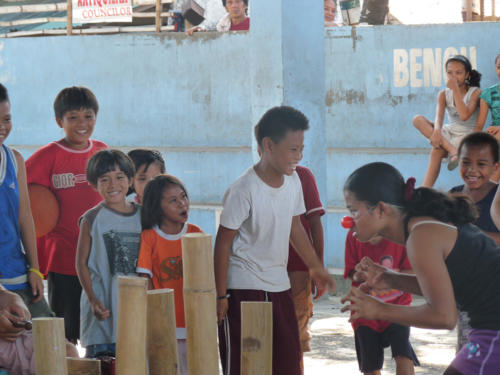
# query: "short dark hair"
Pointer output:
{"type": "Point", "coordinates": [381, 182]}
{"type": "Point", "coordinates": [106, 161]}
{"type": "Point", "coordinates": [74, 98]}
{"type": "Point", "coordinates": [277, 121]}
{"type": "Point", "coordinates": [224, 2]}
{"type": "Point", "coordinates": [4, 95]}
{"type": "Point", "coordinates": [151, 212]}
{"type": "Point", "coordinates": [141, 156]}
{"type": "Point", "coordinates": [480, 139]}
{"type": "Point", "coordinates": [496, 58]}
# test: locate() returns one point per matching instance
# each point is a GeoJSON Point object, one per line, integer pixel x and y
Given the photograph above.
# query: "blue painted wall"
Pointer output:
{"type": "Point", "coordinates": [190, 98]}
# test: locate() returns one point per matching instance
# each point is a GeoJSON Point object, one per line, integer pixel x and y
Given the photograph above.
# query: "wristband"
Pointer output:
{"type": "Point", "coordinates": [35, 271]}
{"type": "Point", "coordinates": [223, 297]}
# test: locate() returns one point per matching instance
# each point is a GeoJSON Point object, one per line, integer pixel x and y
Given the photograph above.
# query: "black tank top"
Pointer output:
{"type": "Point", "coordinates": [474, 268]}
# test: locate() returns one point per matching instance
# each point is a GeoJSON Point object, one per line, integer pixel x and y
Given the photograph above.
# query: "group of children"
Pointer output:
{"type": "Point", "coordinates": [270, 215]}
{"type": "Point", "coordinates": [104, 232]}
{"type": "Point", "coordinates": [467, 108]}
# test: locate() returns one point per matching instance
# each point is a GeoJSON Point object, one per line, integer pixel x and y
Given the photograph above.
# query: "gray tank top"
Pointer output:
{"type": "Point", "coordinates": [451, 109]}
{"type": "Point", "coordinates": [115, 248]}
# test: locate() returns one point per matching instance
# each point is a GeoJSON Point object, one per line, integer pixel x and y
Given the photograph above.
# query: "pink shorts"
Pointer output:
{"type": "Point", "coordinates": [17, 357]}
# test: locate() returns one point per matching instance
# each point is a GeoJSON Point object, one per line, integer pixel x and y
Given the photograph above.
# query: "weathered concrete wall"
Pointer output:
{"type": "Point", "coordinates": [192, 99]}
{"type": "Point", "coordinates": [187, 97]}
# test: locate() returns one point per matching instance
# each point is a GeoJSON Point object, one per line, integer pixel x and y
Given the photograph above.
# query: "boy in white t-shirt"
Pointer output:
{"type": "Point", "coordinates": [261, 214]}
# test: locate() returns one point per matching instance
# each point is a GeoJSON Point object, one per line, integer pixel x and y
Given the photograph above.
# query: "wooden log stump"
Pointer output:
{"type": "Point", "coordinates": [50, 346]}
{"type": "Point", "coordinates": [131, 327]}
{"type": "Point", "coordinates": [256, 338]}
{"type": "Point", "coordinates": [200, 304]}
{"type": "Point", "coordinates": [163, 357]}
{"type": "Point", "coordinates": [83, 366]}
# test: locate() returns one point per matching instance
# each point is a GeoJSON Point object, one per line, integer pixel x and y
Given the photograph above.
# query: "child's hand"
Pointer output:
{"type": "Point", "coordinates": [12, 309]}
{"type": "Point", "coordinates": [193, 30]}
{"type": "Point", "coordinates": [493, 130]}
{"type": "Point", "coordinates": [222, 306]}
{"type": "Point", "coordinates": [362, 305]}
{"type": "Point", "coordinates": [36, 286]}
{"type": "Point", "coordinates": [99, 310]}
{"type": "Point", "coordinates": [370, 274]}
{"type": "Point", "coordinates": [435, 139]}
{"type": "Point", "coordinates": [322, 280]}
{"type": "Point", "coordinates": [452, 84]}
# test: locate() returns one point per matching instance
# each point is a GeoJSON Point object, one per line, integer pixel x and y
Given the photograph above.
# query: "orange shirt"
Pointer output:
{"type": "Point", "coordinates": [160, 256]}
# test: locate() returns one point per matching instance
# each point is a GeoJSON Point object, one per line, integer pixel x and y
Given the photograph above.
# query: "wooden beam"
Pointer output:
{"type": "Point", "coordinates": [158, 15]}
{"type": "Point", "coordinates": [31, 21]}
{"type": "Point", "coordinates": [468, 11]}
{"type": "Point", "coordinates": [69, 15]}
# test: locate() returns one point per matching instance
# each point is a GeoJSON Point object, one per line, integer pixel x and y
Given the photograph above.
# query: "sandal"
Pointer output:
{"type": "Point", "coordinates": [452, 162]}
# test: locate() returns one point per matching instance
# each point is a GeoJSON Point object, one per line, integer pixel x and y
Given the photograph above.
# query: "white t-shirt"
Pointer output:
{"type": "Point", "coordinates": [263, 217]}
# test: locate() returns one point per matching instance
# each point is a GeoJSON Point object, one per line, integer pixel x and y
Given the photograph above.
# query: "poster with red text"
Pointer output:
{"type": "Point", "coordinates": [93, 11]}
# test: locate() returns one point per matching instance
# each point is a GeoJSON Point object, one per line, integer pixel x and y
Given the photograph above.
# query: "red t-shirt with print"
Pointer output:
{"type": "Point", "coordinates": [62, 170]}
{"type": "Point", "coordinates": [388, 254]}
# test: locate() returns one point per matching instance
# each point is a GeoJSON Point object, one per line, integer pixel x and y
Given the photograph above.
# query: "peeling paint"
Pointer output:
{"type": "Point", "coordinates": [344, 96]}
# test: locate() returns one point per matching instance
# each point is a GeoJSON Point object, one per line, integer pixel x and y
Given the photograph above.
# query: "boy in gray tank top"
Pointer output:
{"type": "Point", "coordinates": [108, 246]}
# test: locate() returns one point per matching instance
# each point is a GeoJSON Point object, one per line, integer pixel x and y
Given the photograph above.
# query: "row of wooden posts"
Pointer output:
{"type": "Point", "coordinates": [469, 16]}
{"type": "Point", "coordinates": [146, 331]}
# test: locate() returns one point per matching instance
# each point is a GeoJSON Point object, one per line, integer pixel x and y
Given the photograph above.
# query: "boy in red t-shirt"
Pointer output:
{"type": "Point", "coordinates": [300, 282]}
{"type": "Point", "coordinates": [60, 166]}
{"type": "Point", "coordinates": [372, 336]}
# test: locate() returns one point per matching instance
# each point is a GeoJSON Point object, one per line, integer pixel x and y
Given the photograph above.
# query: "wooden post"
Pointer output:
{"type": "Point", "coordinates": [83, 366]}
{"type": "Point", "coordinates": [158, 15]}
{"type": "Point", "coordinates": [69, 15]}
{"type": "Point", "coordinates": [50, 346]}
{"type": "Point", "coordinates": [200, 304]}
{"type": "Point", "coordinates": [162, 340]}
{"type": "Point", "coordinates": [468, 11]}
{"type": "Point", "coordinates": [131, 327]}
{"type": "Point", "coordinates": [256, 338]}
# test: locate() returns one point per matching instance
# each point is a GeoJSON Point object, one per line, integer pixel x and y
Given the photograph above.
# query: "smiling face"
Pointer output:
{"type": "Point", "coordinates": [285, 155]}
{"type": "Point", "coordinates": [78, 126]}
{"type": "Point", "coordinates": [330, 8]}
{"type": "Point", "coordinates": [365, 218]}
{"type": "Point", "coordinates": [144, 174]}
{"type": "Point", "coordinates": [175, 209]}
{"type": "Point", "coordinates": [456, 70]}
{"type": "Point", "coordinates": [113, 187]}
{"type": "Point", "coordinates": [476, 166]}
{"type": "Point", "coordinates": [5, 121]}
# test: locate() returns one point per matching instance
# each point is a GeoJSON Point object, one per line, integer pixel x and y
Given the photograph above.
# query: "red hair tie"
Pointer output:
{"type": "Point", "coordinates": [409, 188]}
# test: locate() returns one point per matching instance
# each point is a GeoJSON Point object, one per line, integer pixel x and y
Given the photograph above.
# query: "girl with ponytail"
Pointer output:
{"type": "Point", "coordinates": [460, 99]}
{"type": "Point", "coordinates": [455, 264]}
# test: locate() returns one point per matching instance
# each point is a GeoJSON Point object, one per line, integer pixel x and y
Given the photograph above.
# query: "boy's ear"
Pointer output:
{"type": "Point", "coordinates": [267, 144]}
{"type": "Point", "coordinates": [496, 166]}
{"type": "Point", "coordinates": [59, 122]}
